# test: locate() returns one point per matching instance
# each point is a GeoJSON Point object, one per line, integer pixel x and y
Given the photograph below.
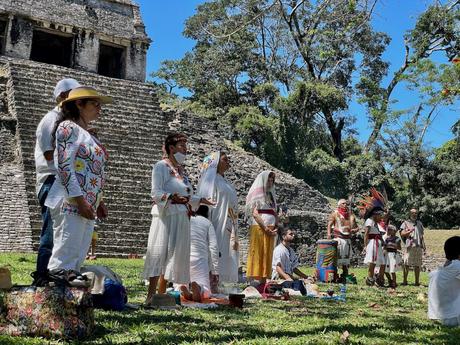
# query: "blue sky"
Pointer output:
{"type": "Point", "coordinates": [164, 21]}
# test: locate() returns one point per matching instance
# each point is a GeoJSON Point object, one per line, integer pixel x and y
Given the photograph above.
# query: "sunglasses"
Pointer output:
{"type": "Point", "coordinates": [95, 103]}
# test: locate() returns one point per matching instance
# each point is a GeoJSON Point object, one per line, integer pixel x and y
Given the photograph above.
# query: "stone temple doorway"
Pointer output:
{"type": "Point", "coordinates": [111, 61]}
{"type": "Point", "coordinates": [52, 49]}
{"type": "Point", "coordinates": [3, 26]}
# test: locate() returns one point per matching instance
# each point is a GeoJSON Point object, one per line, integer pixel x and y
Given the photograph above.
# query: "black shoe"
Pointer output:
{"type": "Point", "coordinates": [40, 279]}
{"type": "Point", "coordinates": [59, 277]}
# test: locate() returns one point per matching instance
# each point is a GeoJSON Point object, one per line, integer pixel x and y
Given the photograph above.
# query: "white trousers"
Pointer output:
{"type": "Point", "coordinates": [72, 237]}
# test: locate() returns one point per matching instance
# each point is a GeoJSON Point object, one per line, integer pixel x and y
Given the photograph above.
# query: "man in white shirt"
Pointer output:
{"type": "Point", "coordinates": [444, 287]}
{"type": "Point", "coordinates": [46, 171]}
{"type": "Point", "coordinates": [285, 262]}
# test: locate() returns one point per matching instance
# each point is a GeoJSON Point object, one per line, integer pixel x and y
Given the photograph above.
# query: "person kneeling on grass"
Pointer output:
{"type": "Point", "coordinates": [285, 262]}
{"type": "Point", "coordinates": [444, 287]}
{"type": "Point", "coordinates": [204, 257]}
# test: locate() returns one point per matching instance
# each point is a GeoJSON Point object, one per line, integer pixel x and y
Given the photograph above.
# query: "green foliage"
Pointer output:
{"type": "Point", "coordinates": [363, 172]}
{"type": "Point", "coordinates": [325, 173]}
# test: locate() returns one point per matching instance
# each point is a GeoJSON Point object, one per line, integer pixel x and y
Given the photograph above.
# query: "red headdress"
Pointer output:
{"type": "Point", "coordinates": [370, 204]}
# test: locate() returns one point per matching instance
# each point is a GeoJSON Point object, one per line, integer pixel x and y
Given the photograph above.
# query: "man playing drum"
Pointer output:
{"type": "Point", "coordinates": [342, 224]}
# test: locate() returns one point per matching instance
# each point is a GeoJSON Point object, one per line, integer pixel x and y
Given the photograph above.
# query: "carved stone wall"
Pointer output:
{"type": "Point", "coordinates": [88, 22]}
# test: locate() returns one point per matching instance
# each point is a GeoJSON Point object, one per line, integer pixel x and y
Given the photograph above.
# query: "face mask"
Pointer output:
{"type": "Point", "coordinates": [179, 157]}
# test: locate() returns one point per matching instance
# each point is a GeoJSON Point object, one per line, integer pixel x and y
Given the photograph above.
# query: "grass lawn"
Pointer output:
{"type": "Point", "coordinates": [370, 315]}
{"type": "Point", "coordinates": [435, 240]}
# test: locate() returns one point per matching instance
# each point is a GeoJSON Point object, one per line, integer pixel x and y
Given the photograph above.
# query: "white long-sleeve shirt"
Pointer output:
{"type": "Point", "coordinates": [204, 251]}
{"type": "Point", "coordinates": [444, 292]}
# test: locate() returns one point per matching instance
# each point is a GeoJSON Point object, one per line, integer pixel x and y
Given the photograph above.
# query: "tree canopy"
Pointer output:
{"type": "Point", "coordinates": [282, 74]}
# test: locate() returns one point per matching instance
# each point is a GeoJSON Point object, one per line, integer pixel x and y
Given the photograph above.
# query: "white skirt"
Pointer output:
{"type": "Point", "coordinates": [392, 261]}
{"type": "Point", "coordinates": [374, 253]}
{"type": "Point", "coordinates": [168, 248]}
{"type": "Point", "coordinates": [344, 251]}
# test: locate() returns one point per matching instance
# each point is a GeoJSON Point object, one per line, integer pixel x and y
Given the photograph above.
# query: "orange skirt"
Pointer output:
{"type": "Point", "coordinates": [260, 253]}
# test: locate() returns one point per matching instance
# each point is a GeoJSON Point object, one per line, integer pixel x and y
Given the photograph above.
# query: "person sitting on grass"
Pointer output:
{"type": "Point", "coordinates": [444, 287]}
{"type": "Point", "coordinates": [392, 258]}
{"type": "Point", "coordinates": [285, 262]}
{"type": "Point", "coordinates": [204, 257]}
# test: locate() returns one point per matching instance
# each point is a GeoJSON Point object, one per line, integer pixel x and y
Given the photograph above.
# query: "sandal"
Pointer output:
{"type": "Point", "coordinates": [370, 281]}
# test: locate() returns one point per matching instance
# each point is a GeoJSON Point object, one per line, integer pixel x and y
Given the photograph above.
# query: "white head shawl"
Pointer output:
{"type": "Point", "coordinates": [257, 195]}
{"type": "Point", "coordinates": [208, 172]}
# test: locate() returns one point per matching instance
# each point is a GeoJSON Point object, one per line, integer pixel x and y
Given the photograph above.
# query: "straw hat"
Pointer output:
{"type": "Point", "coordinates": [84, 92]}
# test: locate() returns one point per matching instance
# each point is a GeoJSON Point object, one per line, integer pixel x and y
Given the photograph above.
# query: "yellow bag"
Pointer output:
{"type": "Point", "coordinates": [5, 278]}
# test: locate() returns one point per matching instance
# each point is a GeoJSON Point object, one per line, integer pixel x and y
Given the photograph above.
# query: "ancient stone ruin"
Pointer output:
{"type": "Point", "coordinates": [132, 128]}
{"type": "Point", "coordinates": [101, 36]}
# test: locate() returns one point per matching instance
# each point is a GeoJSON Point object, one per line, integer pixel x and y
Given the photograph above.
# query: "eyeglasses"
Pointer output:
{"type": "Point", "coordinates": [95, 103]}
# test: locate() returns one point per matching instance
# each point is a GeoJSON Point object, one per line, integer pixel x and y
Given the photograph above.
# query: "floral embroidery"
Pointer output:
{"type": "Point", "coordinates": [81, 179]}
{"type": "Point", "coordinates": [93, 182]}
{"type": "Point", "coordinates": [83, 152]}
{"type": "Point", "coordinates": [98, 150]}
{"type": "Point", "coordinates": [79, 165]}
{"type": "Point", "coordinates": [91, 198]}
{"type": "Point", "coordinates": [47, 312]}
{"type": "Point", "coordinates": [81, 161]}
{"type": "Point", "coordinates": [96, 167]}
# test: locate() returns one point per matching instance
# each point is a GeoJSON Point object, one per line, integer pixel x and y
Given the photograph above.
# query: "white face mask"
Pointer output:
{"type": "Point", "coordinates": [180, 157]}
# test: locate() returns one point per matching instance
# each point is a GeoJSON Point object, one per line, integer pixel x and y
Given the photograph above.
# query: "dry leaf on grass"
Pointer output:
{"type": "Point", "coordinates": [421, 297]}
{"type": "Point", "coordinates": [374, 305]}
{"type": "Point", "coordinates": [344, 337]}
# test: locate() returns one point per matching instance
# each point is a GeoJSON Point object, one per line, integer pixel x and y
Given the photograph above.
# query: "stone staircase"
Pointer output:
{"type": "Point", "coordinates": [15, 229]}
{"type": "Point", "coordinates": [131, 128]}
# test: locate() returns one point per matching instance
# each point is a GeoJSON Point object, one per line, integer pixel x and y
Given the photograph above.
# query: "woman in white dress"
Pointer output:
{"type": "Point", "coordinates": [224, 216]}
{"type": "Point", "coordinates": [168, 248]}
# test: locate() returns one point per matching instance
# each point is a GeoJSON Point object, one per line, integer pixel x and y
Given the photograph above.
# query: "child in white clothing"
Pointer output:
{"type": "Point", "coordinates": [444, 287]}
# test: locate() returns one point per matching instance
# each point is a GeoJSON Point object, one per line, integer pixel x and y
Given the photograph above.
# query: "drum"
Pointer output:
{"type": "Point", "coordinates": [326, 260]}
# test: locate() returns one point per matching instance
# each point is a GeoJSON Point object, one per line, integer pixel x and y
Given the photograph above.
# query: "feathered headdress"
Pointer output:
{"type": "Point", "coordinates": [372, 203]}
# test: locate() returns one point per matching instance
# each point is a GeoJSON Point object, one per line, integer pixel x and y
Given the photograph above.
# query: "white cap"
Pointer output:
{"type": "Point", "coordinates": [65, 85]}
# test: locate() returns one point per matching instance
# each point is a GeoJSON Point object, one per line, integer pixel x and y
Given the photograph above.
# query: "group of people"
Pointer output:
{"type": "Point", "coordinates": [382, 245]}
{"type": "Point", "coordinates": [186, 225]}
{"type": "Point", "coordinates": [193, 237]}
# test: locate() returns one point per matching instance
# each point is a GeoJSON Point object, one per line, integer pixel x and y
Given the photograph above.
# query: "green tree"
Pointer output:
{"type": "Point", "coordinates": [436, 30]}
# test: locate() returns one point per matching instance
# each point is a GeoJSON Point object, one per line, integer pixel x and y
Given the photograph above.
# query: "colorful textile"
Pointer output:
{"type": "Point", "coordinates": [260, 253]}
{"type": "Point", "coordinates": [343, 212]}
{"type": "Point", "coordinates": [47, 312]}
{"type": "Point", "coordinates": [80, 160]}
